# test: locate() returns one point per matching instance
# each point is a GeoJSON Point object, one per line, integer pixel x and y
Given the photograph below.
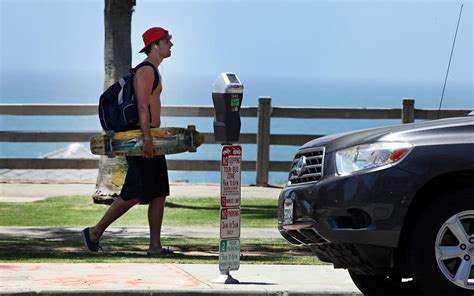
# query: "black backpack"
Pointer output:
{"type": "Point", "coordinates": [117, 107]}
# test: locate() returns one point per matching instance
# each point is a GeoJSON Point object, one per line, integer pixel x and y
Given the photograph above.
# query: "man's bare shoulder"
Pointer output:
{"type": "Point", "coordinates": [145, 71]}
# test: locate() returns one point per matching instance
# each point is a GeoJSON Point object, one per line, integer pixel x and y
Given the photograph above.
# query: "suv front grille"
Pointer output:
{"type": "Point", "coordinates": [307, 166]}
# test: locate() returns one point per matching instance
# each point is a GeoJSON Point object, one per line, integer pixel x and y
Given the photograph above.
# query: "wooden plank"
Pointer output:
{"type": "Point", "coordinates": [201, 111]}
{"type": "Point", "coordinates": [78, 136]}
{"type": "Point", "coordinates": [191, 111]}
{"type": "Point", "coordinates": [292, 140]}
{"type": "Point", "coordinates": [243, 138]}
{"type": "Point", "coordinates": [92, 109]}
{"type": "Point", "coordinates": [346, 113]}
{"type": "Point", "coordinates": [203, 165]}
{"type": "Point", "coordinates": [213, 165]}
{"type": "Point", "coordinates": [208, 111]}
{"type": "Point", "coordinates": [48, 163]}
{"type": "Point", "coordinates": [173, 164]}
{"type": "Point", "coordinates": [263, 139]}
{"type": "Point", "coordinates": [48, 109]}
{"type": "Point", "coordinates": [280, 166]}
{"type": "Point", "coordinates": [70, 163]}
{"type": "Point", "coordinates": [46, 136]}
{"type": "Point", "coordinates": [192, 165]}
{"type": "Point", "coordinates": [408, 110]}
{"type": "Point", "coordinates": [430, 114]}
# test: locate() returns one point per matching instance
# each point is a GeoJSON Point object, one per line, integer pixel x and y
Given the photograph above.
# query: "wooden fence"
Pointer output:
{"type": "Point", "coordinates": [264, 112]}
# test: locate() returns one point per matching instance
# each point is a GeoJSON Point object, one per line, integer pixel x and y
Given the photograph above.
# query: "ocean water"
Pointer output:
{"type": "Point", "coordinates": [284, 92]}
{"type": "Point", "coordinates": [205, 152]}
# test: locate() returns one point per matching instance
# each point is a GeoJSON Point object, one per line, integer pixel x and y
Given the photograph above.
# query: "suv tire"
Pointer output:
{"type": "Point", "coordinates": [374, 285]}
{"type": "Point", "coordinates": [442, 245]}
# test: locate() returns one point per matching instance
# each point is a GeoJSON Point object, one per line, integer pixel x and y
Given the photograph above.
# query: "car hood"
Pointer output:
{"type": "Point", "coordinates": [459, 129]}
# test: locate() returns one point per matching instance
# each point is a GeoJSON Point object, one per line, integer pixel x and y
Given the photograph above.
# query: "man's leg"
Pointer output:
{"type": "Point", "coordinates": [155, 219]}
{"type": "Point", "coordinates": [116, 209]}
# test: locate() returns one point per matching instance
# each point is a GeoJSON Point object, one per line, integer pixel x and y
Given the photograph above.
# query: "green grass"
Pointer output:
{"type": "Point", "coordinates": [81, 211]}
{"type": "Point", "coordinates": [133, 250]}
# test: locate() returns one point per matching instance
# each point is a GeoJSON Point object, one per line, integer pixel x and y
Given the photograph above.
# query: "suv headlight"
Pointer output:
{"type": "Point", "coordinates": [367, 156]}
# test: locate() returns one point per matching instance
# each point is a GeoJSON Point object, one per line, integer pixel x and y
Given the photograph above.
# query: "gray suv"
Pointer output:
{"type": "Point", "coordinates": [393, 205]}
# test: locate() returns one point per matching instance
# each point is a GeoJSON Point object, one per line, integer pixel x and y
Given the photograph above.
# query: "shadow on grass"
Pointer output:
{"type": "Point", "coordinates": [258, 212]}
{"type": "Point", "coordinates": [191, 251]}
{"type": "Point", "coordinates": [80, 255]}
{"type": "Point", "coordinates": [217, 206]}
{"type": "Point", "coordinates": [173, 205]}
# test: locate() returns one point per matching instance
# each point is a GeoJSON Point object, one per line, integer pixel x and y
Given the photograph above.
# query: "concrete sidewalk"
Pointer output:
{"type": "Point", "coordinates": [31, 185]}
{"type": "Point", "coordinates": [27, 192]}
{"type": "Point", "coordinates": [164, 278]}
{"type": "Point", "coordinates": [169, 279]}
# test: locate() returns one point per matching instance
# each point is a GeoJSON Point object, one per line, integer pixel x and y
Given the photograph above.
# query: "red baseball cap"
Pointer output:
{"type": "Point", "coordinates": [153, 34]}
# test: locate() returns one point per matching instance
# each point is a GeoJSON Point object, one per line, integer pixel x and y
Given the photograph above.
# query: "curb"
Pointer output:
{"type": "Point", "coordinates": [182, 293]}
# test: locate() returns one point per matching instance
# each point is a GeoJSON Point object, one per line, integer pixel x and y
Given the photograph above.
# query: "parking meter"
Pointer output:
{"type": "Point", "coordinates": [227, 94]}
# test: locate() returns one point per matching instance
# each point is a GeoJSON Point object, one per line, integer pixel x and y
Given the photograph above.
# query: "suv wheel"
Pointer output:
{"type": "Point", "coordinates": [442, 246]}
{"type": "Point", "coordinates": [382, 285]}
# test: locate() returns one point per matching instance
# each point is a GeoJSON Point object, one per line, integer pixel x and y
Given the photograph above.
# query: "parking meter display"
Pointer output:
{"type": "Point", "coordinates": [232, 78]}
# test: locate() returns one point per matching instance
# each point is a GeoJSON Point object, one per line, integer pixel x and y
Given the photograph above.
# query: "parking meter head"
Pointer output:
{"type": "Point", "coordinates": [227, 95]}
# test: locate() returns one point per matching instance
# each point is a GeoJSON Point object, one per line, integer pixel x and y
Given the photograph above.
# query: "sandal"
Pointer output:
{"type": "Point", "coordinates": [163, 252]}
{"type": "Point", "coordinates": [90, 245]}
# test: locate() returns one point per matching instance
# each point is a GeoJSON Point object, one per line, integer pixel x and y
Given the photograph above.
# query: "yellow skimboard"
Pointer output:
{"type": "Point", "coordinates": [167, 140]}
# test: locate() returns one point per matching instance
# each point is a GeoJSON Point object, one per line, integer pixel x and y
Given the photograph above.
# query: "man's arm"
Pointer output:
{"type": "Point", "coordinates": [143, 84]}
{"type": "Point", "coordinates": [155, 106]}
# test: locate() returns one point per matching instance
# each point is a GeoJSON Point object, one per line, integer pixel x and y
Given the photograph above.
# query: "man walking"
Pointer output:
{"type": "Point", "coordinates": [147, 176]}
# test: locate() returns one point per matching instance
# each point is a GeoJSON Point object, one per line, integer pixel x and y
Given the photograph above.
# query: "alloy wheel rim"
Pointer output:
{"type": "Point", "coordinates": [454, 249]}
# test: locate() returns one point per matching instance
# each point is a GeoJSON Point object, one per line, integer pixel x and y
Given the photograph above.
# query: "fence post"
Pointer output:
{"type": "Point", "coordinates": [408, 110]}
{"type": "Point", "coordinates": [263, 140]}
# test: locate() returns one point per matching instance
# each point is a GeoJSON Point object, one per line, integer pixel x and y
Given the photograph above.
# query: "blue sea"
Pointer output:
{"type": "Point", "coordinates": [189, 91]}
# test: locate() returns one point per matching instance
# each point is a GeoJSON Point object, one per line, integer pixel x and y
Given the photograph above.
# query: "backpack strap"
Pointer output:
{"type": "Point", "coordinates": [157, 76]}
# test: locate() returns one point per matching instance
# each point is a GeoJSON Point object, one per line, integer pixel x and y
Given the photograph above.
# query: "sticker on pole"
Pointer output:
{"type": "Point", "coordinates": [230, 175]}
{"type": "Point", "coordinates": [229, 254]}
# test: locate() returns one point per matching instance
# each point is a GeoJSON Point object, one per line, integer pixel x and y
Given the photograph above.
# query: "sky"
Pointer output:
{"type": "Point", "coordinates": [52, 50]}
{"type": "Point", "coordinates": [327, 53]}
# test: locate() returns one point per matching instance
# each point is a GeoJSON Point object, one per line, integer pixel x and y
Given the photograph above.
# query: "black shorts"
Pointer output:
{"type": "Point", "coordinates": [147, 178]}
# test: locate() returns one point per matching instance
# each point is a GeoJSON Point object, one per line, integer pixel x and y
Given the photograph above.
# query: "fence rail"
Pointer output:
{"type": "Point", "coordinates": [264, 112]}
{"type": "Point", "coordinates": [78, 136]}
{"type": "Point", "coordinates": [208, 111]}
{"type": "Point", "coordinates": [173, 164]}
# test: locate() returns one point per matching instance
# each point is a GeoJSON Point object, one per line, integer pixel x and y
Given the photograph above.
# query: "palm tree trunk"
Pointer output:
{"type": "Point", "coordinates": [117, 62]}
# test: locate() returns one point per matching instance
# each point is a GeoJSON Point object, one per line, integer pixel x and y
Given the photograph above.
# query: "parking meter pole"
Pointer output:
{"type": "Point", "coordinates": [230, 192]}
{"type": "Point", "coordinates": [227, 98]}
{"type": "Point", "coordinates": [225, 278]}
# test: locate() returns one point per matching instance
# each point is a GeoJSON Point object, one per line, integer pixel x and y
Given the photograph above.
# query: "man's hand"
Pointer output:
{"type": "Point", "coordinates": [148, 148]}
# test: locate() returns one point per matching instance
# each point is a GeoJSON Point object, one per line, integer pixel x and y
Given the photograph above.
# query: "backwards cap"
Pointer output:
{"type": "Point", "coordinates": [153, 34]}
